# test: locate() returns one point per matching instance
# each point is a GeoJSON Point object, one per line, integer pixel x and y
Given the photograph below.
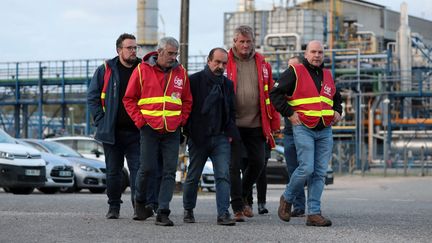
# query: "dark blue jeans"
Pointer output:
{"type": "Point", "coordinates": [218, 149]}
{"type": "Point", "coordinates": [253, 142]}
{"type": "Point", "coordinates": [292, 164]}
{"type": "Point", "coordinates": [127, 145]}
{"type": "Point", "coordinates": [154, 143]}
{"type": "Point", "coordinates": [314, 150]}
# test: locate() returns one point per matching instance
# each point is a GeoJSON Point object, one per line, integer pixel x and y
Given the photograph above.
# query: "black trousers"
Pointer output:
{"type": "Point", "coordinates": [252, 144]}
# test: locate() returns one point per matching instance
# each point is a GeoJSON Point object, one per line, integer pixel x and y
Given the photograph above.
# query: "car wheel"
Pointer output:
{"type": "Point", "coordinates": [125, 181]}
{"type": "Point", "coordinates": [48, 190]}
{"type": "Point", "coordinates": [21, 190]}
{"type": "Point", "coordinates": [97, 190]}
{"type": "Point", "coordinates": [6, 189]}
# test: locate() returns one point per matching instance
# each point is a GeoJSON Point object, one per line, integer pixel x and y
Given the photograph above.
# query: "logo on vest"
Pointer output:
{"type": "Point", "coordinates": [327, 90]}
{"type": "Point", "coordinates": [175, 95]}
{"type": "Point", "coordinates": [178, 82]}
{"type": "Point", "coordinates": [265, 72]}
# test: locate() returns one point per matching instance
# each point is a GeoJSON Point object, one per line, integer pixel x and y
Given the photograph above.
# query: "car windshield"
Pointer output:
{"type": "Point", "coordinates": [6, 138]}
{"type": "Point", "coordinates": [60, 149]}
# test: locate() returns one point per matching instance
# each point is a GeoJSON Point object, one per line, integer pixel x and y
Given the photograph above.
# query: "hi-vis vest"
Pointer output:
{"type": "Point", "coordinates": [310, 105]}
{"type": "Point", "coordinates": [107, 76]}
{"type": "Point", "coordinates": [161, 107]}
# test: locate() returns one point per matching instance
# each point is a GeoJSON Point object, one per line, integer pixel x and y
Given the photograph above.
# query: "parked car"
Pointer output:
{"type": "Point", "coordinates": [277, 172]}
{"type": "Point", "coordinates": [92, 149]}
{"type": "Point", "coordinates": [88, 173]}
{"type": "Point", "coordinates": [59, 171]}
{"type": "Point", "coordinates": [86, 146]}
{"type": "Point", "coordinates": [21, 168]}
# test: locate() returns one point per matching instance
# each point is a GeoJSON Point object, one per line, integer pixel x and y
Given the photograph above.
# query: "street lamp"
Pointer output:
{"type": "Point", "coordinates": [387, 138]}
{"type": "Point", "coordinates": [71, 110]}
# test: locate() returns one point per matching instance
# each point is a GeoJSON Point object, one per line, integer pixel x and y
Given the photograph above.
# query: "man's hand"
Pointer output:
{"type": "Point", "coordinates": [336, 118]}
{"type": "Point", "coordinates": [294, 119]}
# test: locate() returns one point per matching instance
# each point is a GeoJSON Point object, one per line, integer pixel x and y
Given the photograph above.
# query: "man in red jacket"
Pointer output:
{"type": "Point", "coordinates": [256, 118]}
{"type": "Point", "coordinates": [159, 101]}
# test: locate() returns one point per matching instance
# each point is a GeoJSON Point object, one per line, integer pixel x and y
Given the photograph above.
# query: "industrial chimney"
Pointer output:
{"type": "Point", "coordinates": [246, 5]}
{"type": "Point", "coordinates": [405, 57]}
{"type": "Point", "coordinates": [147, 25]}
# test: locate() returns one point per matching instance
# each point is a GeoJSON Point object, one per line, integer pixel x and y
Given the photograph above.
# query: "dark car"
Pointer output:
{"type": "Point", "coordinates": [277, 172]}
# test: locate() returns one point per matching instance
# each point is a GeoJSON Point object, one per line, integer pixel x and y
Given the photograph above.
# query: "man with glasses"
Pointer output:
{"type": "Point", "coordinates": [114, 127]}
{"type": "Point", "coordinates": [159, 101]}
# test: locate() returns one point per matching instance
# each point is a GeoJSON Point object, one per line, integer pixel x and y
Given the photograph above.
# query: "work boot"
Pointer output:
{"type": "Point", "coordinates": [113, 213]}
{"type": "Point", "coordinates": [239, 216]}
{"type": "Point", "coordinates": [142, 212]}
{"type": "Point", "coordinates": [247, 211]}
{"type": "Point", "coordinates": [162, 218]}
{"type": "Point", "coordinates": [188, 216]}
{"type": "Point", "coordinates": [226, 220]}
{"type": "Point", "coordinates": [284, 210]}
{"type": "Point", "coordinates": [298, 213]}
{"type": "Point", "coordinates": [318, 220]}
{"type": "Point", "coordinates": [262, 209]}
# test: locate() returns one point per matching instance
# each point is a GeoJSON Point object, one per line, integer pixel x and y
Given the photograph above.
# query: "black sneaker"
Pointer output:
{"type": "Point", "coordinates": [162, 218]}
{"type": "Point", "coordinates": [262, 209]}
{"type": "Point", "coordinates": [188, 216]}
{"type": "Point", "coordinates": [113, 213]}
{"type": "Point", "coordinates": [226, 220]}
{"type": "Point", "coordinates": [142, 212]}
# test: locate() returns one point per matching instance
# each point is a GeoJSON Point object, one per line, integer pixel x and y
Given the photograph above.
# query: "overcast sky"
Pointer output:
{"type": "Point", "coordinates": [78, 29]}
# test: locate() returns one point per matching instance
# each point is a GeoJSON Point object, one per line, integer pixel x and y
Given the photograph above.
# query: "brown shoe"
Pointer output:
{"type": "Point", "coordinates": [284, 210]}
{"type": "Point", "coordinates": [318, 220]}
{"type": "Point", "coordinates": [247, 211]}
{"type": "Point", "coordinates": [239, 216]}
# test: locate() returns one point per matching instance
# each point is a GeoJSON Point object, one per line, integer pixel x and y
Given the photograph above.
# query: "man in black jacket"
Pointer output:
{"type": "Point", "coordinates": [307, 95]}
{"type": "Point", "coordinates": [114, 127]}
{"type": "Point", "coordinates": [210, 128]}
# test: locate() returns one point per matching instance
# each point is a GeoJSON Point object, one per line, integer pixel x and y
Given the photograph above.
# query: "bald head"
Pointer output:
{"type": "Point", "coordinates": [315, 53]}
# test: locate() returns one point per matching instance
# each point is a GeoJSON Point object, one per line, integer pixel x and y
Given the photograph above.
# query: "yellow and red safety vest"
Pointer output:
{"type": "Point", "coordinates": [310, 105]}
{"type": "Point", "coordinates": [107, 76]}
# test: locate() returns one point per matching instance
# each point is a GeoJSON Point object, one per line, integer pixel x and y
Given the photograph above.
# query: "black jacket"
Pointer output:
{"type": "Point", "coordinates": [285, 87]}
{"type": "Point", "coordinates": [105, 121]}
{"type": "Point", "coordinates": [198, 123]}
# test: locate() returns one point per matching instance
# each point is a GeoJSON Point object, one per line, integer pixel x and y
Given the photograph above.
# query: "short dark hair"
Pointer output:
{"type": "Point", "coordinates": [212, 51]}
{"type": "Point", "coordinates": [123, 37]}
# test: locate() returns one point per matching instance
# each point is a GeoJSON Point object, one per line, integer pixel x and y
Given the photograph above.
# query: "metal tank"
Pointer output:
{"type": "Point", "coordinates": [289, 23]}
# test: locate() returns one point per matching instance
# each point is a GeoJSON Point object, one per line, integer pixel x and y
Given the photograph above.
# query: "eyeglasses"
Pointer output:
{"type": "Point", "coordinates": [131, 48]}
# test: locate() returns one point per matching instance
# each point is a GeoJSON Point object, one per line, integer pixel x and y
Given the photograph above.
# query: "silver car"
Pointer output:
{"type": "Point", "coordinates": [88, 173]}
{"type": "Point", "coordinates": [59, 171]}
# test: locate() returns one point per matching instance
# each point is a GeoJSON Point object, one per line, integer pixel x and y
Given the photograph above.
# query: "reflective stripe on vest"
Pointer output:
{"type": "Point", "coordinates": [164, 111]}
{"type": "Point", "coordinates": [311, 105]}
{"type": "Point", "coordinates": [107, 76]}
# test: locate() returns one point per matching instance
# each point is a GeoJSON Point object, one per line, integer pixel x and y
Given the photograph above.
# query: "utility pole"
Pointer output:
{"type": "Point", "coordinates": [184, 33]}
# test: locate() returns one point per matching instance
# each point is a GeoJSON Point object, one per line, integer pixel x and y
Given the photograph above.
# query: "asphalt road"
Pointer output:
{"type": "Point", "coordinates": [371, 209]}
